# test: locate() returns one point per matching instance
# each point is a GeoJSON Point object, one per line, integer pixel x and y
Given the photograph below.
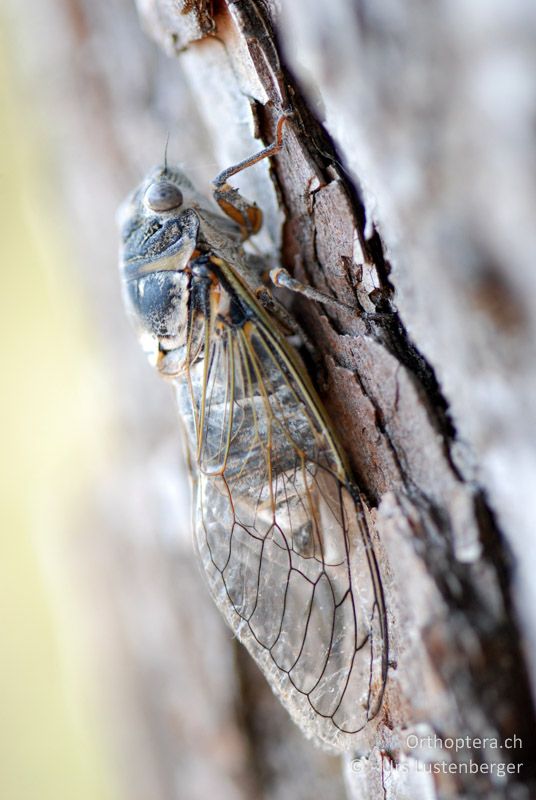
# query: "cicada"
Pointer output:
{"type": "Point", "coordinates": [279, 525]}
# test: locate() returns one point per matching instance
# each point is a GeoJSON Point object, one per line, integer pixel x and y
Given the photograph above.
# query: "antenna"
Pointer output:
{"type": "Point", "coordinates": [165, 153]}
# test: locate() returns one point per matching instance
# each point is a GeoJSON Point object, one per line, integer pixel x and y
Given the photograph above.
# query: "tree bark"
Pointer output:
{"type": "Point", "coordinates": [429, 382]}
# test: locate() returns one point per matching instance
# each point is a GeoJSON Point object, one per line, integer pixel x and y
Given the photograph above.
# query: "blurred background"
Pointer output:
{"type": "Point", "coordinates": [53, 439]}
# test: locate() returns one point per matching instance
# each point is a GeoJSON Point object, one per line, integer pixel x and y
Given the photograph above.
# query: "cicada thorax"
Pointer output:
{"type": "Point", "coordinates": [205, 310]}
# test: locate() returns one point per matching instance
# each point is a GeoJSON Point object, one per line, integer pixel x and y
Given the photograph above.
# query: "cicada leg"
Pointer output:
{"type": "Point", "coordinates": [280, 277]}
{"type": "Point", "coordinates": [244, 212]}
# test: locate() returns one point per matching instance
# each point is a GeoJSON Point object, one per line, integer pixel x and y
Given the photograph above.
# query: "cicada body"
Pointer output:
{"type": "Point", "coordinates": [278, 522]}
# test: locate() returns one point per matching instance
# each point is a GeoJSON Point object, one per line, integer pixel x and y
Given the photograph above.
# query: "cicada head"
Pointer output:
{"type": "Point", "coordinates": [159, 223]}
{"type": "Point", "coordinates": [159, 234]}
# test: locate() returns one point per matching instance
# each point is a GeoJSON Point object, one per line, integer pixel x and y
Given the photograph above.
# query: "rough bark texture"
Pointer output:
{"type": "Point", "coordinates": [428, 382]}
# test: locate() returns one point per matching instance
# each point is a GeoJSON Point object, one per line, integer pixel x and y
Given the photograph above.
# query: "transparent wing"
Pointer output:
{"type": "Point", "coordinates": [281, 533]}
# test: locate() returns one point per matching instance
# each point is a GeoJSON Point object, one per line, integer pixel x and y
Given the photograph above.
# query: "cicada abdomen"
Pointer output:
{"type": "Point", "coordinates": [278, 521]}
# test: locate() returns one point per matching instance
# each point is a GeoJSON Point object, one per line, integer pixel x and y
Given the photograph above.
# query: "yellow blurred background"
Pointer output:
{"type": "Point", "coordinates": [50, 743]}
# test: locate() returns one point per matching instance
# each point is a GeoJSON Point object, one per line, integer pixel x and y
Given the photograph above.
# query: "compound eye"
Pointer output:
{"type": "Point", "coordinates": [163, 196]}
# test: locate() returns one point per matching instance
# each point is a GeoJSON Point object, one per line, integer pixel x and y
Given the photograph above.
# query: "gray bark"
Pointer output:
{"type": "Point", "coordinates": [405, 189]}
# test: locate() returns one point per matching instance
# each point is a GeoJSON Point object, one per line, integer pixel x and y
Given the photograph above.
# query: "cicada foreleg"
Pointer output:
{"type": "Point", "coordinates": [245, 213]}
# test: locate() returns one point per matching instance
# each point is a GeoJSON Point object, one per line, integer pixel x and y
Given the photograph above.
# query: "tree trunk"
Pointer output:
{"type": "Point", "coordinates": [404, 173]}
